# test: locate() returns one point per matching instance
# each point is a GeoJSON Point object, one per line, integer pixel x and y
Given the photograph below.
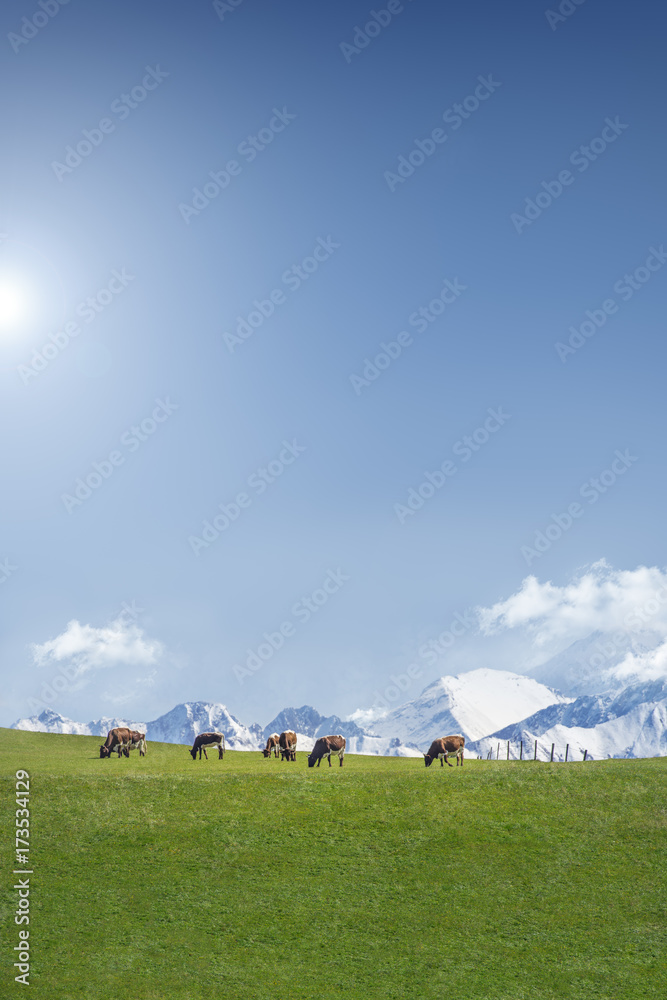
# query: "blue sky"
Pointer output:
{"type": "Point", "coordinates": [313, 211]}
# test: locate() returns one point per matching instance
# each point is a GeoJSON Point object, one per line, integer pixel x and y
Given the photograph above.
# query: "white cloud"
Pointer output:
{"type": "Point", "coordinates": [88, 648]}
{"type": "Point", "coordinates": [365, 716]}
{"type": "Point", "coordinates": [650, 666]}
{"type": "Point", "coordinates": [599, 599]}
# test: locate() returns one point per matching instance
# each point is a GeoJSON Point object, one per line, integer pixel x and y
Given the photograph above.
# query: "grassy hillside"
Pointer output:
{"type": "Point", "coordinates": [252, 879]}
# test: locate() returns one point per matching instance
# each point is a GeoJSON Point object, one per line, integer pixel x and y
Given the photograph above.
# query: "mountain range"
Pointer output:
{"type": "Point", "coordinates": [557, 703]}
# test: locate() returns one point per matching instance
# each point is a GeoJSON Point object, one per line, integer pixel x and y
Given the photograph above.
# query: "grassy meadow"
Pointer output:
{"type": "Point", "coordinates": [254, 879]}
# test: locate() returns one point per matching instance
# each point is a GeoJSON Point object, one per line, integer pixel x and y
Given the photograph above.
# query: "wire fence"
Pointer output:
{"type": "Point", "coordinates": [534, 750]}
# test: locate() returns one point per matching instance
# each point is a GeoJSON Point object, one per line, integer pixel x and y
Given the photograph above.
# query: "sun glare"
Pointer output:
{"type": "Point", "coordinates": [13, 304]}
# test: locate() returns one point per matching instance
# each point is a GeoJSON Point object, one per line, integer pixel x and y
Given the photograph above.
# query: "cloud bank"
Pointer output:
{"type": "Point", "coordinates": [87, 648]}
{"type": "Point", "coordinates": [599, 599]}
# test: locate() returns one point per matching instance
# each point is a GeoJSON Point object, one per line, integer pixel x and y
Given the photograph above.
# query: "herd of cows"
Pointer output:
{"type": "Point", "coordinates": [281, 745]}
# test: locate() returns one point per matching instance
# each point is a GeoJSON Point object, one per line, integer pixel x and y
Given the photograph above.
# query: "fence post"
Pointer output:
{"type": "Point", "coordinates": [535, 757]}
{"type": "Point", "coordinates": [552, 753]}
{"type": "Point", "coordinates": [567, 747]}
{"type": "Point", "coordinates": [585, 754]}
{"type": "Point", "coordinates": [508, 749]}
{"type": "Point", "coordinates": [521, 751]}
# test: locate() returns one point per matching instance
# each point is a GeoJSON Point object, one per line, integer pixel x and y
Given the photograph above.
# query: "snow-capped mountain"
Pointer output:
{"type": "Point", "coordinates": [487, 706]}
{"type": "Point", "coordinates": [52, 722]}
{"type": "Point", "coordinates": [630, 723]}
{"type": "Point", "coordinates": [473, 704]}
{"type": "Point", "coordinates": [181, 725]}
{"type": "Point", "coordinates": [640, 733]}
{"type": "Point", "coordinates": [308, 721]}
{"type": "Point", "coordinates": [588, 665]}
{"type": "Point", "coordinates": [309, 725]}
{"type": "Point", "coordinates": [188, 720]}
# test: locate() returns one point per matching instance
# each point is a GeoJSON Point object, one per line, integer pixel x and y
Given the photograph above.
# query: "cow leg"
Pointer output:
{"type": "Point", "coordinates": [340, 758]}
{"type": "Point", "coordinates": [205, 754]}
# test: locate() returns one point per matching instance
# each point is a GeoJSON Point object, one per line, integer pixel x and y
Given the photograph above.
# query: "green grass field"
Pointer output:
{"type": "Point", "coordinates": [252, 879]}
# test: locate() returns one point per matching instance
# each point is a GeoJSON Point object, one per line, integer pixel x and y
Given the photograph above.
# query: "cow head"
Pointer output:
{"type": "Point", "coordinates": [104, 751]}
{"type": "Point", "coordinates": [428, 760]}
{"type": "Point", "coordinates": [266, 752]}
{"type": "Point", "coordinates": [311, 760]}
{"type": "Point", "coordinates": [193, 753]}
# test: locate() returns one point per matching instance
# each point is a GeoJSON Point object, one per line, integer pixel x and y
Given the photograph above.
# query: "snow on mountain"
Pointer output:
{"type": "Point", "coordinates": [474, 704]}
{"type": "Point", "coordinates": [588, 665]}
{"type": "Point", "coordinates": [380, 746]}
{"type": "Point", "coordinates": [181, 725]}
{"type": "Point", "coordinates": [589, 710]}
{"type": "Point", "coordinates": [486, 706]}
{"type": "Point", "coordinates": [309, 725]}
{"type": "Point", "coordinates": [309, 722]}
{"type": "Point", "coordinates": [641, 732]}
{"type": "Point", "coordinates": [189, 719]}
{"type": "Point", "coordinates": [52, 722]}
{"type": "Point", "coordinates": [625, 724]}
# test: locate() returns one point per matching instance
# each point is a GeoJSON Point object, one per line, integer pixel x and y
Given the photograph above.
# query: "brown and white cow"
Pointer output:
{"type": "Point", "coordinates": [442, 749]}
{"type": "Point", "coordinates": [206, 740]}
{"type": "Point", "coordinates": [287, 741]}
{"type": "Point", "coordinates": [272, 746]}
{"type": "Point", "coordinates": [138, 742]}
{"type": "Point", "coordinates": [116, 740]}
{"type": "Point", "coordinates": [325, 747]}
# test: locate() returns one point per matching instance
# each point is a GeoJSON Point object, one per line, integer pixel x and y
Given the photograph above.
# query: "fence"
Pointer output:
{"type": "Point", "coordinates": [531, 750]}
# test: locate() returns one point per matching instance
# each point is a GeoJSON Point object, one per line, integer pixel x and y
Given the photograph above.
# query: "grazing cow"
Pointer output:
{"type": "Point", "coordinates": [448, 746]}
{"type": "Point", "coordinates": [272, 746]}
{"type": "Point", "coordinates": [137, 742]}
{"type": "Point", "coordinates": [117, 739]}
{"type": "Point", "coordinates": [287, 745]}
{"type": "Point", "coordinates": [206, 740]}
{"type": "Point", "coordinates": [325, 746]}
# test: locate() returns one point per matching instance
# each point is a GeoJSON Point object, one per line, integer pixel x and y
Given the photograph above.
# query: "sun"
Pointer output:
{"type": "Point", "coordinates": [13, 303]}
